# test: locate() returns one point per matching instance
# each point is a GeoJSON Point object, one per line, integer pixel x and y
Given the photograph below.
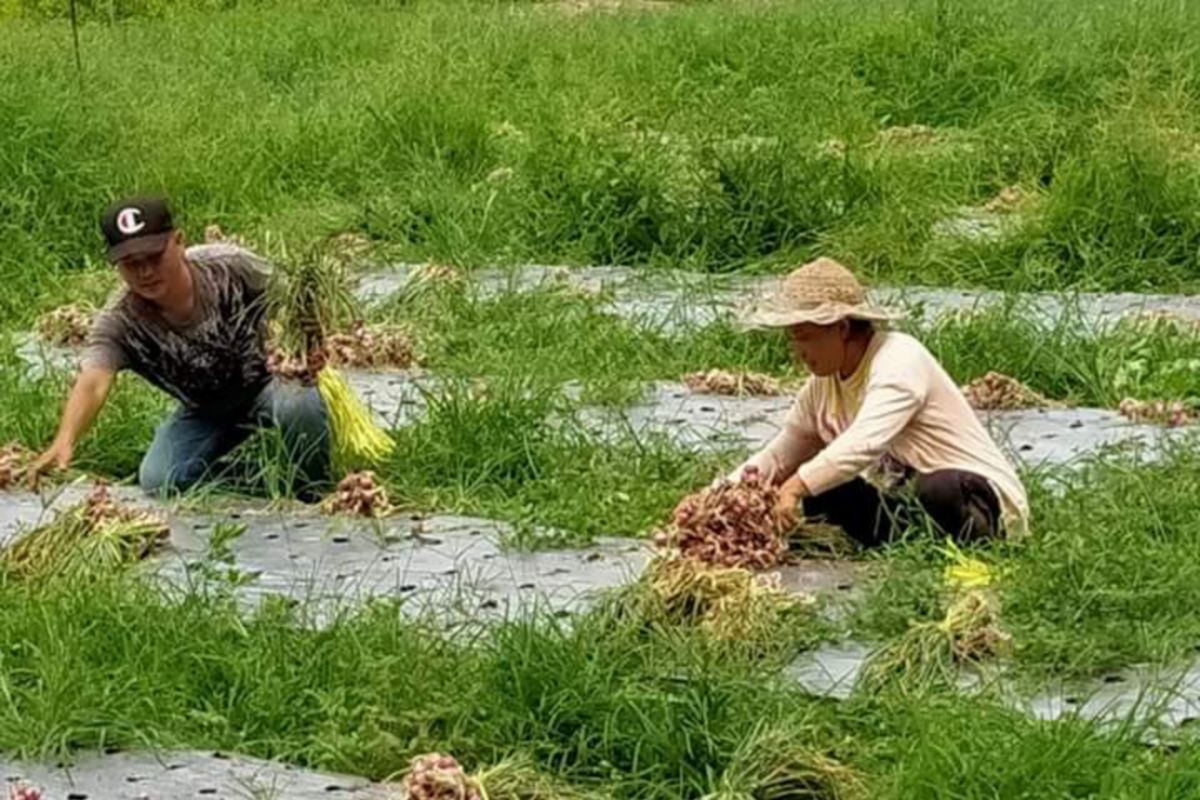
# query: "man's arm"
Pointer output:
{"type": "Point", "coordinates": [84, 402]}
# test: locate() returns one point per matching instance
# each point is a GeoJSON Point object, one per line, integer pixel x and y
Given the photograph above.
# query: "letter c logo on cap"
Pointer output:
{"type": "Point", "coordinates": [129, 221]}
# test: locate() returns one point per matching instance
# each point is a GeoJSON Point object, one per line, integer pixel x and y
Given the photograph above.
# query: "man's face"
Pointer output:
{"type": "Point", "coordinates": [153, 277]}
{"type": "Point", "coordinates": [820, 348]}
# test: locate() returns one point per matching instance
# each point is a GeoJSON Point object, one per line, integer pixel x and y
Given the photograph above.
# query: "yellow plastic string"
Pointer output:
{"type": "Point", "coordinates": [356, 438]}
{"type": "Point", "coordinates": [964, 572]}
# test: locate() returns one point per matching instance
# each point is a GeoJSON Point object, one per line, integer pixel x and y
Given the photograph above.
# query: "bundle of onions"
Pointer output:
{"type": "Point", "coordinates": [998, 392]}
{"type": "Point", "coordinates": [972, 626]}
{"type": "Point", "coordinates": [66, 326]}
{"type": "Point", "coordinates": [97, 535]}
{"type": "Point", "coordinates": [728, 603]}
{"type": "Point", "coordinates": [371, 347]}
{"type": "Point", "coordinates": [773, 765]}
{"type": "Point", "coordinates": [1159, 412]}
{"type": "Point", "coordinates": [435, 274]}
{"type": "Point", "coordinates": [930, 653]}
{"type": "Point", "coordinates": [310, 297]}
{"type": "Point", "coordinates": [13, 460]}
{"type": "Point", "coordinates": [732, 524]}
{"type": "Point", "coordinates": [359, 494]}
{"type": "Point", "coordinates": [719, 381]}
{"type": "Point", "coordinates": [440, 777]}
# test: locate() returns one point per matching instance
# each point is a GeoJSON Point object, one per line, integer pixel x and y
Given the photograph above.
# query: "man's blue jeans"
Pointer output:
{"type": "Point", "coordinates": [188, 445]}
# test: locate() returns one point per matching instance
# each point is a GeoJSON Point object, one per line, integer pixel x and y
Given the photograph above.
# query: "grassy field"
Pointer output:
{"type": "Point", "coordinates": [710, 136]}
{"type": "Point", "coordinates": [606, 703]}
{"type": "Point", "coordinates": [715, 136]}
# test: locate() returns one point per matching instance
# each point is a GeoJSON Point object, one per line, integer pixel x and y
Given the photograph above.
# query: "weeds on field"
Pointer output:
{"type": "Point", "coordinates": [1103, 581]}
{"type": "Point", "coordinates": [593, 701]}
{"type": "Point", "coordinates": [713, 136]}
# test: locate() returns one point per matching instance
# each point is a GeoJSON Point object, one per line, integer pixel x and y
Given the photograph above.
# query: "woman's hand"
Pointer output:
{"type": "Point", "coordinates": [787, 507]}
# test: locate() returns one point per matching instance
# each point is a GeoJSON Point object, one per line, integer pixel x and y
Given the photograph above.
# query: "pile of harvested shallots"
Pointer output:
{"type": "Point", "coordinates": [361, 347]}
{"type": "Point", "coordinates": [719, 381]}
{"type": "Point", "coordinates": [439, 777]}
{"type": "Point", "coordinates": [22, 791]}
{"type": "Point", "coordinates": [66, 326]}
{"type": "Point", "coordinates": [998, 392]}
{"type": "Point", "coordinates": [932, 651]}
{"type": "Point", "coordinates": [360, 495]}
{"type": "Point", "coordinates": [371, 347]}
{"type": "Point", "coordinates": [13, 460]}
{"type": "Point", "coordinates": [1159, 412]}
{"type": "Point", "coordinates": [729, 525]}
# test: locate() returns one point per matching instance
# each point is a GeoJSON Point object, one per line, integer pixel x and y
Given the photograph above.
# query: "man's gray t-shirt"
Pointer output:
{"type": "Point", "coordinates": [215, 364]}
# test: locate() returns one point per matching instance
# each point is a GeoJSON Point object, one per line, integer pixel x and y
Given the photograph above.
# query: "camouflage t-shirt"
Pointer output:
{"type": "Point", "coordinates": [216, 362]}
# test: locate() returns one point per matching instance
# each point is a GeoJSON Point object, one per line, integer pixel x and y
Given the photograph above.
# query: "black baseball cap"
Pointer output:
{"type": "Point", "coordinates": [137, 226]}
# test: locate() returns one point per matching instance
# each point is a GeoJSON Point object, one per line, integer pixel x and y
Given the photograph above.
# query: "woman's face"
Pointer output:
{"type": "Point", "coordinates": [820, 348]}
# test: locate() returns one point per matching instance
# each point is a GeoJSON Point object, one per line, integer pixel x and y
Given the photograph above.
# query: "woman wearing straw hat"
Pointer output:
{"type": "Point", "coordinates": [879, 428]}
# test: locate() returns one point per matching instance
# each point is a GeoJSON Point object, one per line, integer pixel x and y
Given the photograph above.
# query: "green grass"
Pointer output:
{"type": "Point", "coordinates": [697, 137]}
{"type": "Point", "coordinates": [517, 453]}
{"type": "Point", "coordinates": [1070, 358]}
{"type": "Point", "coordinates": [510, 448]}
{"type": "Point", "coordinates": [601, 702]}
{"type": "Point", "coordinates": [1105, 580]}
{"type": "Point", "coordinates": [472, 132]}
{"type": "Point", "coordinates": [559, 336]}
{"type": "Point", "coordinates": [499, 435]}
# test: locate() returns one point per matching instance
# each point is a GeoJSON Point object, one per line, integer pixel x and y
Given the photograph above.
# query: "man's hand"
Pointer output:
{"type": "Point", "coordinates": [791, 492]}
{"type": "Point", "coordinates": [87, 396]}
{"type": "Point", "coordinates": [57, 458]}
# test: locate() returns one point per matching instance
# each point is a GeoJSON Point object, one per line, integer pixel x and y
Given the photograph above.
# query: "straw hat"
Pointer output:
{"type": "Point", "coordinates": [822, 292]}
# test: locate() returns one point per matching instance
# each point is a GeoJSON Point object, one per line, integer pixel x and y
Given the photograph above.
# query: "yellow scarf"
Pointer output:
{"type": "Point", "coordinates": [846, 395]}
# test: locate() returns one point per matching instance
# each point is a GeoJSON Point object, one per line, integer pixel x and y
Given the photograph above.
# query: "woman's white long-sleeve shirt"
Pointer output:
{"type": "Point", "coordinates": [899, 403]}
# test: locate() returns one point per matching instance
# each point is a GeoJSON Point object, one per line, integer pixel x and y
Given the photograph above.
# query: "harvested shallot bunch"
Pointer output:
{"type": "Point", "coordinates": [66, 326]}
{"type": "Point", "coordinates": [96, 536]}
{"type": "Point", "coordinates": [439, 777]}
{"type": "Point", "coordinates": [931, 652]}
{"type": "Point", "coordinates": [1159, 412]}
{"type": "Point", "coordinates": [729, 603]}
{"type": "Point", "coordinates": [730, 525]}
{"type": "Point", "coordinates": [719, 381]}
{"type": "Point", "coordinates": [776, 764]}
{"type": "Point", "coordinates": [101, 509]}
{"type": "Point", "coordinates": [360, 495]}
{"type": "Point", "coordinates": [301, 368]}
{"type": "Point", "coordinates": [998, 392]}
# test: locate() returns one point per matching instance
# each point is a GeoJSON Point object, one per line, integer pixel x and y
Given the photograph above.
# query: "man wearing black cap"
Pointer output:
{"type": "Point", "coordinates": [191, 321]}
